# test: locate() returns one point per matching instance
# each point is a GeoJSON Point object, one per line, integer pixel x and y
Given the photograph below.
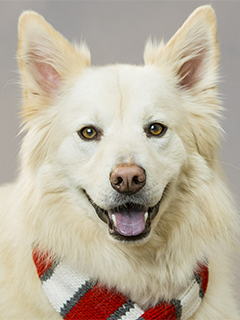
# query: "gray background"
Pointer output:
{"type": "Point", "coordinates": [116, 31]}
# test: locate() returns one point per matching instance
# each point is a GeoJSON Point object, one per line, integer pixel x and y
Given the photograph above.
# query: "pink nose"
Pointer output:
{"type": "Point", "coordinates": [128, 178]}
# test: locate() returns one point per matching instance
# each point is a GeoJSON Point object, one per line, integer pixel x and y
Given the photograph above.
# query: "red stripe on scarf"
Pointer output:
{"type": "Point", "coordinates": [203, 274]}
{"type": "Point", "coordinates": [163, 311]}
{"type": "Point", "coordinates": [42, 260]}
{"type": "Point", "coordinates": [93, 304]}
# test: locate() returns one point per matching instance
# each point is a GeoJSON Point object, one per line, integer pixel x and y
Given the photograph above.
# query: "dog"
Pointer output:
{"type": "Point", "coordinates": [120, 196]}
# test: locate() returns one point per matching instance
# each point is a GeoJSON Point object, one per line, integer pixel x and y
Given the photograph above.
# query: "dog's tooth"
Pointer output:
{"type": "Point", "coordinates": [146, 216]}
{"type": "Point", "coordinates": [114, 219]}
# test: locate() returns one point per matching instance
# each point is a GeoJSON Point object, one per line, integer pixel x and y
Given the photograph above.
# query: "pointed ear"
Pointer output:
{"type": "Point", "coordinates": [192, 53]}
{"type": "Point", "coordinates": [46, 60]}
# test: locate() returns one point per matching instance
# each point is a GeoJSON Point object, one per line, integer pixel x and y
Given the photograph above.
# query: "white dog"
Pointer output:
{"type": "Point", "coordinates": [120, 206]}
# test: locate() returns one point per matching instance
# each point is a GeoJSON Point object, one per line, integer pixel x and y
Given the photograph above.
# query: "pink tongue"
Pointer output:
{"type": "Point", "coordinates": [130, 224]}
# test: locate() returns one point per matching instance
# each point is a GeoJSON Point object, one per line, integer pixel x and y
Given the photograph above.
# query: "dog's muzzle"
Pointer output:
{"type": "Point", "coordinates": [131, 221]}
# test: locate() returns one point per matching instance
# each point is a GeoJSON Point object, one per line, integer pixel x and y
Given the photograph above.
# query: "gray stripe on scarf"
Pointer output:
{"type": "Point", "coordinates": [67, 307]}
{"type": "Point", "coordinates": [121, 311]}
{"type": "Point", "coordinates": [49, 272]}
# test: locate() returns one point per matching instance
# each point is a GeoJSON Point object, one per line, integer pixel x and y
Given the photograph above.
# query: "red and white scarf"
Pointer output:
{"type": "Point", "coordinates": [76, 297]}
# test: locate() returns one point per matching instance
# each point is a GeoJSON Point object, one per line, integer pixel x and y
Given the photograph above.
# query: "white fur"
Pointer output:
{"type": "Point", "coordinates": [46, 205]}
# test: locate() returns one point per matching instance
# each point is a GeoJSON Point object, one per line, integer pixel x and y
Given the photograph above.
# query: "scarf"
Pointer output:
{"type": "Point", "coordinates": [77, 297]}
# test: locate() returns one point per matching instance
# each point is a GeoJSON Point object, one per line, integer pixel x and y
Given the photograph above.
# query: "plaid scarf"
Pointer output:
{"type": "Point", "coordinates": [77, 297]}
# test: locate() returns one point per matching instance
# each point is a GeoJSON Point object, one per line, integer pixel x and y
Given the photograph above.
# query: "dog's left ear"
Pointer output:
{"type": "Point", "coordinates": [48, 62]}
{"type": "Point", "coordinates": [192, 53]}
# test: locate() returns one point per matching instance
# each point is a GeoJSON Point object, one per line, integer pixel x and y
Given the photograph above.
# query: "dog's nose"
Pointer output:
{"type": "Point", "coordinates": [128, 178]}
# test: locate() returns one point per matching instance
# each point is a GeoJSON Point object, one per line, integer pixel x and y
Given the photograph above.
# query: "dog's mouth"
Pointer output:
{"type": "Point", "coordinates": [128, 222]}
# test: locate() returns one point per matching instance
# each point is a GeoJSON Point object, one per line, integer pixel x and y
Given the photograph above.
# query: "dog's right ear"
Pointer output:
{"type": "Point", "coordinates": [47, 62]}
{"type": "Point", "coordinates": [192, 53]}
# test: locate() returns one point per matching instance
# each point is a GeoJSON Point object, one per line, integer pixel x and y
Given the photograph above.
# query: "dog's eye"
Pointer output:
{"type": "Point", "coordinates": [88, 133]}
{"type": "Point", "coordinates": [156, 130]}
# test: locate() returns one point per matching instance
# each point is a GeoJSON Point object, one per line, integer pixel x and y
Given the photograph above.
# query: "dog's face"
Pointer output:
{"type": "Point", "coordinates": [119, 136]}
{"type": "Point", "coordinates": [120, 147]}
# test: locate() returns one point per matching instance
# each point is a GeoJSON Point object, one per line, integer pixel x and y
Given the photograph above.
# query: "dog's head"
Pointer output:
{"type": "Point", "coordinates": [119, 138]}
